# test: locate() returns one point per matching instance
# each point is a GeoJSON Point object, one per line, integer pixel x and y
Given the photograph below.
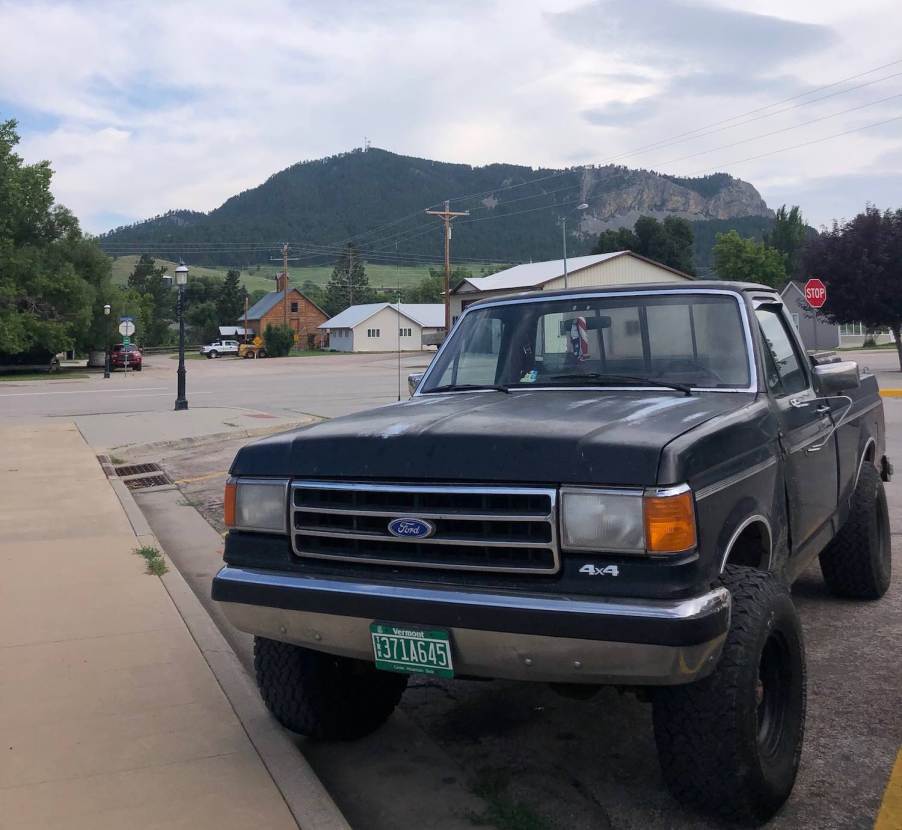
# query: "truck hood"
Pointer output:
{"type": "Point", "coordinates": [537, 437]}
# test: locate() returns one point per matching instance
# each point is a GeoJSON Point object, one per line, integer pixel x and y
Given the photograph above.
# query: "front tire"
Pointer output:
{"type": "Point", "coordinates": [730, 743]}
{"type": "Point", "coordinates": [857, 564]}
{"type": "Point", "coordinates": [321, 695]}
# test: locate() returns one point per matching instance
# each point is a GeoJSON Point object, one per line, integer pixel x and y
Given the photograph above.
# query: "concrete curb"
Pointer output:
{"type": "Point", "coordinates": [214, 437]}
{"type": "Point", "coordinates": [306, 797]}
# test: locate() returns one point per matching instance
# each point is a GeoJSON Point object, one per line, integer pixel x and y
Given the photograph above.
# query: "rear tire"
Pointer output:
{"type": "Point", "coordinates": [321, 695]}
{"type": "Point", "coordinates": [857, 564]}
{"type": "Point", "coordinates": [139, 367]}
{"type": "Point", "coordinates": [212, 355]}
{"type": "Point", "coordinates": [730, 744]}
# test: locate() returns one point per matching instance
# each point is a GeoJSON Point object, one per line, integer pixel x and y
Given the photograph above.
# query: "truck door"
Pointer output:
{"type": "Point", "coordinates": [805, 423]}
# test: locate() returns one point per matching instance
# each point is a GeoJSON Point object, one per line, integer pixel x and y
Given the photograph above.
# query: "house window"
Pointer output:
{"type": "Point", "coordinates": [404, 332]}
{"type": "Point", "coordinates": [373, 333]}
{"type": "Point", "coordinates": [795, 319]}
{"type": "Point", "coordinates": [294, 308]}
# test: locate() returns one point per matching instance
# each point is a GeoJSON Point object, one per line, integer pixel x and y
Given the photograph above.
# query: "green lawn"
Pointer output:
{"type": "Point", "coordinates": [65, 373]}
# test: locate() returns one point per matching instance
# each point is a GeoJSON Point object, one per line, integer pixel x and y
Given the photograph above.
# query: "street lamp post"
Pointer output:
{"type": "Point", "coordinates": [106, 336]}
{"type": "Point", "coordinates": [583, 206]}
{"type": "Point", "coordinates": [181, 280]}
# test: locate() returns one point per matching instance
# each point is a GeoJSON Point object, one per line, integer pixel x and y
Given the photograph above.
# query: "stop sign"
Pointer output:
{"type": "Point", "coordinates": [815, 292]}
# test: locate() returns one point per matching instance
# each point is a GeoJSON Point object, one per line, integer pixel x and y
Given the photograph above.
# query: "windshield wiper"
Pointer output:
{"type": "Point", "coordinates": [599, 377]}
{"type": "Point", "coordinates": [460, 387]}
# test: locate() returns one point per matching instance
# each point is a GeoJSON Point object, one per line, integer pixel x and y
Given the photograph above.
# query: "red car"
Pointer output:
{"type": "Point", "coordinates": [117, 357]}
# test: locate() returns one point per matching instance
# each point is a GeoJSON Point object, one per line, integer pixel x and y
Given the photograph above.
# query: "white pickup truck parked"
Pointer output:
{"type": "Point", "coordinates": [218, 347]}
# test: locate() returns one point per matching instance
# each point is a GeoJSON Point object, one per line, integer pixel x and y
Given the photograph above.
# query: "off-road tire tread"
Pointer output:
{"type": "Point", "coordinates": [321, 695]}
{"type": "Point", "coordinates": [695, 731]}
{"type": "Point", "coordinates": [850, 563]}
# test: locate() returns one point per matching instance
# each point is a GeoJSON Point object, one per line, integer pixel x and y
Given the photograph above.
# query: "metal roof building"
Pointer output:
{"type": "Point", "coordinates": [593, 271]}
{"type": "Point", "coordinates": [384, 327]}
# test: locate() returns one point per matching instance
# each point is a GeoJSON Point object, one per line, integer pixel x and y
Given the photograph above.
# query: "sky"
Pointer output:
{"type": "Point", "coordinates": [144, 106]}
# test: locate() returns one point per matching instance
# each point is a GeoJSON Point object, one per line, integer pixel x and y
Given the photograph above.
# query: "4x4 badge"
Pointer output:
{"type": "Point", "coordinates": [595, 570]}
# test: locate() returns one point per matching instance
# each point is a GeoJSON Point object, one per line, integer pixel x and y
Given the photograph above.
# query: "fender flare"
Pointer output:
{"type": "Point", "coordinates": [755, 518]}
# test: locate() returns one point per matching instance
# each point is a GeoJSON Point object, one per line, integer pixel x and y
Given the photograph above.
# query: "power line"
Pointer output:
{"type": "Point", "coordinates": [785, 129]}
{"type": "Point", "coordinates": [680, 140]}
{"type": "Point", "coordinates": [814, 141]}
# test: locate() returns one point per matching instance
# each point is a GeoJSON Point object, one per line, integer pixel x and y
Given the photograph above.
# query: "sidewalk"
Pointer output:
{"type": "Point", "coordinates": [109, 715]}
{"type": "Point", "coordinates": [122, 430]}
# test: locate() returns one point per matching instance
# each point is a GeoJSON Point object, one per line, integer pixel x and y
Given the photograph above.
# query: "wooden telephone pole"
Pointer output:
{"type": "Point", "coordinates": [447, 215]}
{"type": "Point", "coordinates": [285, 259]}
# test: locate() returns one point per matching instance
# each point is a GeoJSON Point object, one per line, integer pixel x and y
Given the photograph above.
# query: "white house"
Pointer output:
{"type": "Point", "coordinates": [582, 272]}
{"type": "Point", "coordinates": [384, 327]}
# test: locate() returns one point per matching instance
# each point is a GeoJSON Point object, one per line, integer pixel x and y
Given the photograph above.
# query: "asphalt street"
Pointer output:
{"type": "Point", "coordinates": [328, 385]}
{"type": "Point", "coordinates": [571, 764]}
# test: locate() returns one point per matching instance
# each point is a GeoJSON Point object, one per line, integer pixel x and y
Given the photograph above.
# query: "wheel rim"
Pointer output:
{"type": "Point", "coordinates": [772, 694]}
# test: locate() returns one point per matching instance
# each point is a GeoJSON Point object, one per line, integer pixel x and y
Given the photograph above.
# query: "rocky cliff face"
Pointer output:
{"type": "Point", "coordinates": [618, 196]}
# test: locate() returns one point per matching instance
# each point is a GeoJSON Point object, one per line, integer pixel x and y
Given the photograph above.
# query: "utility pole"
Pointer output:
{"type": "Point", "coordinates": [285, 259]}
{"type": "Point", "coordinates": [350, 276]}
{"type": "Point", "coordinates": [447, 215]}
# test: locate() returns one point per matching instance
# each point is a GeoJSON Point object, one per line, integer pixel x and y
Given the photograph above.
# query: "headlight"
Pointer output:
{"type": "Point", "coordinates": [628, 521]}
{"type": "Point", "coordinates": [256, 504]}
{"type": "Point", "coordinates": [602, 520]}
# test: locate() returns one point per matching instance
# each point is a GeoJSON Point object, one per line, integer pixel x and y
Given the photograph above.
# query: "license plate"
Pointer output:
{"type": "Point", "coordinates": [410, 648]}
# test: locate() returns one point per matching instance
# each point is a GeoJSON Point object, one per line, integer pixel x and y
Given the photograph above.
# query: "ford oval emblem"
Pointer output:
{"type": "Point", "coordinates": [409, 528]}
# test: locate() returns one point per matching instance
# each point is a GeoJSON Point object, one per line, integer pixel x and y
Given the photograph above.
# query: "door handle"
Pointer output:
{"type": "Point", "coordinates": [823, 409]}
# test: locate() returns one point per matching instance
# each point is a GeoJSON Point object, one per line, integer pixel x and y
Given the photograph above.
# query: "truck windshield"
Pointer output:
{"type": "Point", "coordinates": [687, 340]}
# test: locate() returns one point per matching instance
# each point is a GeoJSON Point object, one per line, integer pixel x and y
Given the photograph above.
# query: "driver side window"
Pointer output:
{"type": "Point", "coordinates": [783, 365]}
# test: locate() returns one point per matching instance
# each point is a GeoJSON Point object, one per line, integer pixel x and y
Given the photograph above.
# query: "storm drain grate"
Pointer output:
{"type": "Point", "coordinates": [137, 469]}
{"type": "Point", "coordinates": [146, 481]}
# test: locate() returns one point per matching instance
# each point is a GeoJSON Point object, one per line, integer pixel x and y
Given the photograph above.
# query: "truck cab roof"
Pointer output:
{"type": "Point", "coordinates": [627, 288]}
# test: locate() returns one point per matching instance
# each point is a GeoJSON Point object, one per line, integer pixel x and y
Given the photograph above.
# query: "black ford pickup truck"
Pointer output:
{"type": "Point", "coordinates": [611, 486]}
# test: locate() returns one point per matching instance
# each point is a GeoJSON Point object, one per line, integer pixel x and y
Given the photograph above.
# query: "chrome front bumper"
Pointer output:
{"type": "Point", "coordinates": [539, 637]}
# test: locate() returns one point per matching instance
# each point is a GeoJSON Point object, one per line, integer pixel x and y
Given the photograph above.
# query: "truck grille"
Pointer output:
{"type": "Point", "coordinates": [500, 529]}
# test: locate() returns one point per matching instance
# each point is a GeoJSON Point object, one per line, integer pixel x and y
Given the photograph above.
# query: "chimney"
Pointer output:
{"type": "Point", "coordinates": [282, 282]}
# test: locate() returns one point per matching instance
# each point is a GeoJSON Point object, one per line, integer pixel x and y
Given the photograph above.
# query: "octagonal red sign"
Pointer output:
{"type": "Point", "coordinates": [815, 292]}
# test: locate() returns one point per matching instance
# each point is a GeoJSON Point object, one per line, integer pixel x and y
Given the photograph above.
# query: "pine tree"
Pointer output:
{"type": "Point", "coordinates": [230, 302]}
{"type": "Point", "coordinates": [348, 284]}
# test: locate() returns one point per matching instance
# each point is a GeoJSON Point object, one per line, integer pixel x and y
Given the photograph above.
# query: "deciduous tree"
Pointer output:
{"type": "Point", "coordinates": [788, 236]}
{"type": "Point", "coordinates": [53, 281]}
{"type": "Point", "coordinates": [860, 262]}
{"type": "Point", "coordinates": [747, 260]}
{"type": "Point", "coordinates": [668, 242]}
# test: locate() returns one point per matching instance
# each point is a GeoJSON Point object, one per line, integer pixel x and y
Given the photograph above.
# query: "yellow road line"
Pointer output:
{"type": "Point", "coordinates": [202, 478]}
{"type": "Point", "coordinates": [890, 815]}
{"type": "Point", "coordinates": [891, 393]}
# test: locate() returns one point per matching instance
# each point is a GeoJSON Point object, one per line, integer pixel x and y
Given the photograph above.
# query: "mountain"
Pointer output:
{"type": "Point", "coordinates": [515, 210]}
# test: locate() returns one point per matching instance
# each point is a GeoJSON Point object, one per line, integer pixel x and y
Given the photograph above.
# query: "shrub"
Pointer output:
{"type": "Point", "coordinates": [278, 340]}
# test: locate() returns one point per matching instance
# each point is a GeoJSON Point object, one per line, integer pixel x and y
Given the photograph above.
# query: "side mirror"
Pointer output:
{"type": "Point", "coordinates": [836, 378]}
{"type": "Point", "coordinates": [413, 381]}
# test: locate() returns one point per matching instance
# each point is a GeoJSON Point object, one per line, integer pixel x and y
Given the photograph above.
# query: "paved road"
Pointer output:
{"type": "Point", "coordinates": [330, 385]}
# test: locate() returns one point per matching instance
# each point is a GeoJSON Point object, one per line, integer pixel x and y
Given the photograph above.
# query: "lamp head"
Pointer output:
{"type": "Point", "coordinates": [181, 274]}
{"type": "Point", "coordinates": [106, 309]}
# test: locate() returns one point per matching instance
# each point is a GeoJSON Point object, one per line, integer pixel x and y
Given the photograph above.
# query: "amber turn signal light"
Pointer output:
{"type": "Point", "coordinates": [669, 523]}
{"type": "Point", "coordinates": [228, 504]}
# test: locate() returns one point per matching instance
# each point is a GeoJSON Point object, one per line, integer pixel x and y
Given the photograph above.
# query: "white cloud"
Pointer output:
{"type": "Point", "coordinates": [142, 107]}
